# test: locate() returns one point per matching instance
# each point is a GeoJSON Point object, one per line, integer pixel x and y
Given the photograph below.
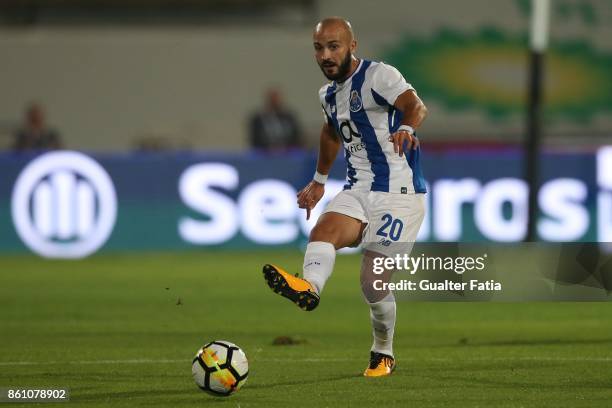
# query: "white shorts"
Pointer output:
{"type": "Point", "coordinates": [393, 219]}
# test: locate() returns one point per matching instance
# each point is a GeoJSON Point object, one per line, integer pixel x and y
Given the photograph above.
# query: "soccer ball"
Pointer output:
{"type": "Point", "coordinates": [220, 368]}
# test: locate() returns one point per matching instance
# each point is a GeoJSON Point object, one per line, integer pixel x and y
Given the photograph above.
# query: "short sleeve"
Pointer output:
{"type": "Point", "coordinates": [326, 117]}
{"type": "Point", "coordinates": [322, 93]}
{"type": "Point", "coordinates": [389, 83]}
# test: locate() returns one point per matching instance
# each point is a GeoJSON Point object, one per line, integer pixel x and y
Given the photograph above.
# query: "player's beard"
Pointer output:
{"type": "Point", "coordinates": [343, 69]}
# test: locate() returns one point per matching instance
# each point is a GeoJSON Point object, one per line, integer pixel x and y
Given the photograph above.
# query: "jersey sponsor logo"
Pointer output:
{"type": "Point", "coordinates": [347, 132]}
{"type": "Point", "coordinates": [355, 102]}
{"type": "Point", "coordinates": [356, 147]}
{"type": "Point", "coordinates": [64, 205]}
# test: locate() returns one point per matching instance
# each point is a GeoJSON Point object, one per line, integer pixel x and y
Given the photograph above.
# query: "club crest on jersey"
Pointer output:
{"type": "Point", "coordinates": [355, 102]}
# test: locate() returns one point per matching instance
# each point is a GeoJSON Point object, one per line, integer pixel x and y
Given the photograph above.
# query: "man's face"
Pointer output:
{"type": "Point", "coordinates": [333, 52]}
{"type": "Point", "coordinates": [35, 116]}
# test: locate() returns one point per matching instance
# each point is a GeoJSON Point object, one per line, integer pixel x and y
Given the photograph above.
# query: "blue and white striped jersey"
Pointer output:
{"type": "Point", "coordinates": [362, 112]}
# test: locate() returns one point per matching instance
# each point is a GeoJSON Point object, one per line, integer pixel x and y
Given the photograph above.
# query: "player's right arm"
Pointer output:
{"type": "Point", "coordinates": [329, 145]}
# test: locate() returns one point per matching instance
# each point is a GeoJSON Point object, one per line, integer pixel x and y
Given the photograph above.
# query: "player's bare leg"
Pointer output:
{"type": "Point", "coordinates": [382, 316]}
{"type": "Point", "coordinates": [333, 231]}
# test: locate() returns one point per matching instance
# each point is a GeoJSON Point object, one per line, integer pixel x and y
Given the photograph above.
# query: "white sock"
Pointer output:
{"type": "Point", "coordinates": [382, 316]}
{"type": "Point", "coordinates": [319, 263]}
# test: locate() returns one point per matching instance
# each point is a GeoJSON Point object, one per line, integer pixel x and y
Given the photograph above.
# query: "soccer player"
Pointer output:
{"type": "Point", "coordinates": [373, 112]}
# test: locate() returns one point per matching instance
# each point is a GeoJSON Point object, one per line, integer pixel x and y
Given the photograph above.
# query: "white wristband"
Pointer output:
{"type": "Point", "coordinates": [407, 128]}
{"type": "Point", "coordinates": [319, 178]}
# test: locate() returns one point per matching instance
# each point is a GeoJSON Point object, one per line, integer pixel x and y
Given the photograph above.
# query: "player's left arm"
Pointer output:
{"type": "Point", "coordinates": [414, 111]}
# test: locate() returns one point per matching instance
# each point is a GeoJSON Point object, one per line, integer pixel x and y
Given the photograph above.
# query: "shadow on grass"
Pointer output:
{"type": "Point", "coordinates": [302, 381]}
{"type": "Point", "coordinates": [191, 391]}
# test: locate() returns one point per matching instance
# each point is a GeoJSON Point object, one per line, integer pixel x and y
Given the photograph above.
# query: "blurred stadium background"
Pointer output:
{"type": "Point", "coordinates": [113, 72]}
{"type": "Point", "coordinates": [120, 79]}
{"type": "Point", "coordinates": [154, 100]}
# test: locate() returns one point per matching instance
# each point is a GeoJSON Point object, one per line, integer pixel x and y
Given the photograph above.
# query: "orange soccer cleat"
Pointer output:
{"type": "Point", "coordinates": [296, 289]}
{"type": "Point", "coordinates": [380, 365]}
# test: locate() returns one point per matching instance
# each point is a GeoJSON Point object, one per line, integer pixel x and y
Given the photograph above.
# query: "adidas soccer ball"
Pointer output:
{"type": "Point", "coordinates": [220, 368]}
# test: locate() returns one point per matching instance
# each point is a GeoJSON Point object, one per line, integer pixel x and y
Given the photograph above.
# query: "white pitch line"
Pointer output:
{"type": "Point", "coordinates": [85, 362]}
{"type": "Point", "coordinates": [148, 361]}
{"type": "Point", "coordinates": [310, 360]}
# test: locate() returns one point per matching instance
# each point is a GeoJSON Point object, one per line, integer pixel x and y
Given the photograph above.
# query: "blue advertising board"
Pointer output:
{"type": "Point", "coordinates": [70, 204]}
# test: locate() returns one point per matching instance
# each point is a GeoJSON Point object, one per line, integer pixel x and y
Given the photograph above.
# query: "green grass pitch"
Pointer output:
{"type": "Point", "coordinates": [121, 330]}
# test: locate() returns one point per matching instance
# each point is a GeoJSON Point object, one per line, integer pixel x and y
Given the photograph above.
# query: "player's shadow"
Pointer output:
{"type": "Point", "coordinates": [305, 382]}
{"type": "Point", "coordinates": [126, 395]}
